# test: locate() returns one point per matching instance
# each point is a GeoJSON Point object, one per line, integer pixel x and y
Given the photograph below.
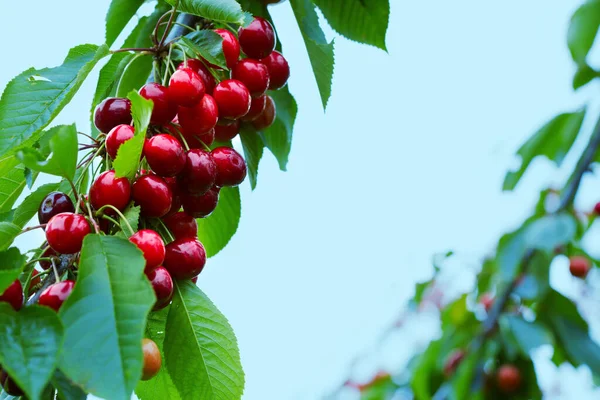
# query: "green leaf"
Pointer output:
{"type": "Point", "coordinates": [30, 341]}
{"type": "Point", "coordinates": [218, 228]}
{"type": "Point", "coordinates": [8, 233]}
{"type": "Point", "coordinates": [105, 317]}
{"type": "Point", "coordinates": [215, 10]}
{"type": "Point", "coordinates": [29, 207]}
{"type": "Point", "coordinates": [10, 267]}
{"type": "Point", "coordinates": [463, 377]}
{"type": "Point", "coordinates": [12, 181]}
{"type": "Point", "coordinates": [66, 389]}
{"type": "Point", "coordinates": [129, 154]}
{"type": "Point", "coordinates": [583, 30]}
{"type": "Point", "coordinates": [424, 370]}
{"type": "Point", "coordinates": [278, 137]}
{"type": "Point", "coordinates": [201, 350]}
{"type": "Point", "coordinates": [135, 75]}
{"type": "Point", "coordinates": [253, 151]}
{"type": "Point", "coordinates": [32, 99]}
{"type": "Point", "coordinates": [132, 215]}
{"type": "Point", "coordinates": [577, 342]}
{"type": "Point", "coordinates": [359, 20]}
{"type": "Point", "coordinates": [553, 140]}
{"type": "Point", "coordinates": [584, 75]}
{"type": "Point", "coordinates": [320, 52]}
{"type": "Point", "coordinates": [119, 14]}
{"type": "Point", "coordinates": [206, 44]}
{"type": "Point", "coordinates": [527, 335]}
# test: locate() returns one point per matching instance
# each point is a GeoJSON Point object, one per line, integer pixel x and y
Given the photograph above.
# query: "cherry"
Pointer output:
{"type": "Point", "coordinates": [153, 195]}
{"type": "Point", "coordinates": [597, 208]}
{"type": "Point", "coordinates": [152, 359]}
{"type": "Point", "coordinates": [233, 99]}
{"type": "Point", "coordinates": [257, 39]}
{"type": "Point", "coordinates": [200, 172]}
{"type": "Point", "coordinates": [487, 301]}
{"type": "Point", "coordinates": [182, 225]}
{"type": "Point", "coordinates": [162, 283]}
{"type": "Point", "coordinates": [164, 155]}
{"type": "Point", "coordinates": [111, 112]}
{"type": "Point", "coordinates": [49, 252]}
{"type": "Point", "coordinates": [54, 203]}
{"type": "Point", "coordinates": [198, 66]}
{"type": "Point", "coordinates": [186, 87]}
{"type": "Point", "coordinates": [35, 279]}
{"type": "Point", "coordinates": [108, 190]}
{"type": "Point", "coordinates": [65, 232]}
{"type": "Point", "coordinates": [185, 258]}
{"type": "Point", "coordinates": [116, 137]}
{"type": "Point", "coordinates": [55, 295]}
{"type": "Point", "coordinates": [13, 295]}
{"type": "Point", "coordinates": [199, 118]}
{"type": "Point", "coordinates": [508, 378]}
{"type": "Point", "coordinates": [279, 70]}
{"type": "Point", "coordinates": [231, 167]}
{"type": "Point", "coordinates": [267, 117]}
{"type": "Point", "coordinates": [176, 191]}
{"type": "Point", "coordinates": [579, 266]}
{"type": "Point", "coordinates": [453, 361]}
{"type": "Point", "coordinates": [201, 141]}
{"type": "Point", "coordinates": [151, 245]}
{"type": "Point", "coordinates": [253, 74]}
{"type": "Point", "coordinates": [256, 108]}
{"type": "Point", "coordinates": [9, 385]}
{"type": "Point", "coordinates": [194, 279]}
{"type": "Point", "coordinates": [164, 110]}
{"type": "Point", "coordinates": [224, 133]}
{"type": "Point", "coordinates": [231, 47]}
{"type": "Point", "coordinates": [200, 206]}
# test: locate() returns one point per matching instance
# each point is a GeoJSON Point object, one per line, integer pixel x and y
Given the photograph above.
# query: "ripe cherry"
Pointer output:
{"type": "Point", "coordinates": [231, 47]}
{"type": "Point", "coordinates": [152, 359]}
{"type": "Point", "coordinates": [253, 74]}
{"type": "Point", "coordinates": [233, 99]}
{"type": "Point", "coordinates": [194, 279]}
{"type": "Point", "coordinates": [223, 133]}
{"type": "Point", "coordinates": [256, 108]}
{"type": "Point", "coordinates": [186, 87]}
{"type": "Point", "coordinates": [164, 110]}
{"type": "Point", "coordinates": [55, 295]}
{"type": "Point", "coordinates": [108, 190]}
{"type": "Point", "coordinates": [257, 39]}
{"type": "Point", "coordinates": [176, 191]}
{"type": "Point", "coordinates": [279, 70]}
{"type": "Point", "coordinates": [185, 258]}
{"type": "Point", "coordinates": [46, 264]}
{"type": "Point", "coordinates": [162, 283]}
{"type": "Point", "coordinates": [267, 117]}
{"type": "Point", "coordinates": [9, 385]}
{"type": "Point", "coordinates": [200, 206]}
{"type": "Point", "coordinates": [453, 361]}
{"type": "Point", "coordinates": [153, 196]}
{"type": "Point", "coordinates": [164, 155]}
{"type": "Point", "coordinates": [231, 167]}
{"type": "Point", "coordinates": [200, 118]}
{"type": "Point", "coordinates": [65, 232]}
{"type": "Point", "coordinates": [579, 266]}
{"type": "Point", "coordinates": [116, 137]}
{"type": "Point", "coordinates": [508, 378]}
{"type": "Point", "coordinates": [151, 245]}
{"type": "Point", "coordinates": [487, 301]}
{"type": "Point", "coordinates": [182, 225]}
{"type": "Point", "coordinates": [111, 112]}
{"type": "Point", "coordinates": [201, 141]}
{"type": "Point", "coordinates": [207, 78]}
{"type": "Point", "coordinates": [597, 208]}
{"type": "Point", "coordinates": [200, 172]}
{"type": "Point", "coordinates": [13, 295]}
{"type": "Point", "coordinates": [54, 203]}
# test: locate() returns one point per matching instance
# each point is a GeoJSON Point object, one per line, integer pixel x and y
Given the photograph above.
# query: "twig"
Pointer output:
{"type": "Point", "coordinates": [65, 262]}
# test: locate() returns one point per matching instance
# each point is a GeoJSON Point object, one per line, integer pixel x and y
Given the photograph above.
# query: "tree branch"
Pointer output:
{"type": "Point", "coordinates": [65, 262]}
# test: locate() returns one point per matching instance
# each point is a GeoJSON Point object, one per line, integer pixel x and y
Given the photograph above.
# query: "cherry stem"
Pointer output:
{"type": "Point", "coordinates": [158, 24]}
{"type": "Point", "coordinates": [75, 194]}
{"type": "Point", "coordinates": [185, 143]}
{"type": "Point", "coordinates": [167, 63]}
{"type": "Point", "coordinates": [106, 217]}
{"type": "Point", "coordinates": [56, 275]}
{"type": "Point", "coordinates": [169, 24]}
{"type": "Point", "coordinates": [171, 238]}
{"type": "Point", "coordinates": [119, 213]}
{"type": "Point", "coordinates": [93, 221]}
{"type": "Point", "coordinates": [88, 136]}
{"type": "Point", "coordinates": [27, 285]}
{"type": "Point", "coordinates": [31, 228]}
{"type": "Point", "coordinates": [135, 49]}
{"type": "Point", "coordinates": [204, 145]}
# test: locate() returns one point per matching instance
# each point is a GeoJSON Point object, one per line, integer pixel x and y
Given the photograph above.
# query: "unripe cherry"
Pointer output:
{"type": "Point", "coordinates": [152, 359]}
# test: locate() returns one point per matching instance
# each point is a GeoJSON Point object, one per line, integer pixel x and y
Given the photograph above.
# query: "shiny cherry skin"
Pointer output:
{"type": "Point", "coordinates": [279, 70]}
{"type": "Point", "coordinates": [253, 74]}
{"type": "Point", "coordinates": [233, 99]}
{"type": "Point", "coordinates": [508, 378]}
{"type": "Point", "coordinates": [65, 232]}
{"type": "Point", "coordinates": [200, 172]}
{"type": "Point", "coordinates": [9, 385]}
{"type": "Point", "coordinates": [200, 206]}
{"type": "Point", "coordinates": [13, 295]}
{"type": "Point", "coordinates": [151, 245]}
{"type": "Point", "coordinates": [231, 167]}
{"type": "Point", "coordinates": [54, 203]}
{"type": "Point", "coordinates": [164, 110]}
{"type": "Point", "coordinates": [579, 266]}
{"type": "Point", "coordinates": [108, 190]}
{"type": "Point", "coordinates": [111, 112]}
{"type": "Point", "coordinates": [55, 295]}
{"type": "Point", "coordinates": [162, 283]}
{"type": "Point", "coordinates": [182, 225]}
{"type": "Point", "coordinates": [207, 78]}
{"type": "Point", "coordinates": [223, 133]}
{"type": "Point", "coordinates": [267, 117]}
{"type": "Point", "coordinates": [199, 141]}
{"type": "Point", "coordinates": [152, 359]}
{"type": "Point", "coordinates": [153, 196]}
{"type": "Point", "coordinates": [231, 47]}
{"type": "Point", "coordinates": [176, 192]}
{"type": "Point", "coordinates": [257, 40]}
{"type": "Point", "coordinates": [256, 108]}
{"type": "Point", "coordinates": [199, 118]}
{"type": "Point", "coordinates": [116, 137]}
{"type": "Point", "coordinates": [185, 258]}
{"type": "Point", "coordinates": [186, 87]}
{"type": "Point", "coordinates": [47, 254]}
{"type": "Point", "coordinates": [164, 155]}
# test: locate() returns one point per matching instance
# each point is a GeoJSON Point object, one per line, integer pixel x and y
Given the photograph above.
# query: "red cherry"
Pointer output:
{"type": "Point", "coordinates": [47, 254]}
{"type": "Point", "coordinates": [231, 47]}
{"type": "Point", "coordinates": [65, 232]}
{"type": "Point", "coordinates": [231, 167]}
{"type": "Point", "coordinates": [152, 245]}
{"type": "Point", "coordinates": [162, 283]}
{"type": "Point", "coordinates": [153, 195]}
{"type": "Point", "coordinates": [279, 70]}
{"type": "Point", "coordinates": [111, 112]}
{"type": "Point", "coordinates": [182, 225]}
{"type": "Point", "coordinates": [35, 279]}
{"type": "Point", "coordinates": [176, 192]}
{"type": "Point", "coordinates": [199, 67]}
{"type": "Point", "coordinates": [200, 206]}
{"type": "Point", "coordinates": [116, 137]}
{"type": "Point", "coordinates": [453, 361]}
{"type": "Point", "coordinates": [223, 133]}
{"type": "Point", "coordinates": [165, 155]}
{"type": "Point", "coordinates": [13, 295]}
{"type": "Point", "coordinates": [108, 190]}
{"type": "Point", "coordinates": [164, 110]}
{"type": "Point", "coordinates": [267, 117]}
{"type": "Point", "coordinates": [199, 173]}
{"type": "Point", "coordinates": [195, 279]}
{"type": "Point", "coordinates": [186, 87]}
{"type": "Point", "coordinates": [508, 378]}
{"type": "Point", "coordinates": [55, 295]}
{"type": "Point", "coordinates": [199, 118]}
{"type": "Point", "coordinates": [253, 74]}
{"type": "Point", "coordinates": [256, 108]}
{"type": "Point", "coordinates": [597, 208]}
{"type": "Point", "coordinates": [185, 258]}
{"type": "Point", "coordinates": [257, 39]}
{"type": "Point", "coordinates": [233, 99]}
{"type": "Point", "coordinates": [579, 266]}
{"type": "Point", "coordinates": [54, 203]}
{"type": "Point", "coordinates": [195, 142]}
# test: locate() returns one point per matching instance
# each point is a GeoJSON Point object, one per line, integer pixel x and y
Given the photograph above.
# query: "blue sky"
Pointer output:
{"type": "Point", "coordinates": [408, 161]}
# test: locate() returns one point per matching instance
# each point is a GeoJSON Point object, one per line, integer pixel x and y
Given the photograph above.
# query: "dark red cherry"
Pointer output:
{"type": "Point", "coordinates": [253, 74]}
{"type": "Point", "coordinates": [186, 87]}
{"type": "Point", "coordinates": [579, 266]}
{"type": "Point", "coordinates": [257, 39]}
{"type": "Point", "coordinates": [116, 137]}
{"type": "Point", "coordinates": [279, 70]}
{"type": "Point", "coordinates": [182, 225]}
{"type": "Point", "coordinates": [153, 196]}
{"type": "Point", "coordinates": [65, 232]}
{"type": "Point", "coordinates": [194, 279]}
{"type": "Point", "coordinates": [185, 258]}
{"type": "Point", "coordinates": [207, 78]}
{"type": "Point", "coordinates": [267, 117]}
{"type": "Point", "coordinates": [151, 245]}
{"type": "Point", "coordinates": [111, 112]}
{"type": "Point", "coordinates": [256, 108]}
{"type": "Point", "coordinates": [108, 190]}
{"type": "Point", "coordinates": [231, 47]}
{"type": "Point", "coordinates": [165, 155]}
{"type": "Point", "coordinates": [13, 295]}
{"type": "Point", "coordinates": [223, 133]}
{"type": "Point", "coordinates": [9, 385]}
{"type": "Point", "coordinates": [55, 295]}
{"type": "Point", "coordinates": [176, 192]}
{"type": "Point", "coordinates": [233, 99]}
{"type": "Point", "coordinates": [47, 254]}
{"type": "Point", "coordinates": [199, 118]}
{"type": "Point", "coordinates": [199, 173]}
{"type": "Point", "coordinates": [231, 167]}
{"type": "Point", "coordinates": [164, 110]}
{"type": "Point", "coordinates": [201, 141]}
{"type": "Point", "coordinates": [200, 206]}
{"type": "Point", "coordinates": [54, 203]}
{"type": "Point", "coordinates": [162, 283]}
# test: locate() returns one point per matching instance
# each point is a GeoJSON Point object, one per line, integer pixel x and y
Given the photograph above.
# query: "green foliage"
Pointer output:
{"type": "Point", "coordinates": [278, 137]}
{"type": "Point", "coordinates": [584, 75]}
{"type": "Point", "coordinates": [526, 335]}
{"type": "Point", "coordinates": [215, 10]}
{"type": "Point", "coordinates": [205, 44]}
{"type": "Point", "coordinates": [119, 14]}
{"type": "Point", "coordinates": [66, 389]}
{"type": "Point", "coordinates": [12, 181]}
{"type": "Point", "coordinates": [8, 233]}
{"type": "Point", "coordinates": [253, 150]}
{"type": "Point", "coordinates": [216, 230]}
{"type": "Point", "coordinates": [11, 266]}
{"type": "Point", "coordinates": [583, 30]}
